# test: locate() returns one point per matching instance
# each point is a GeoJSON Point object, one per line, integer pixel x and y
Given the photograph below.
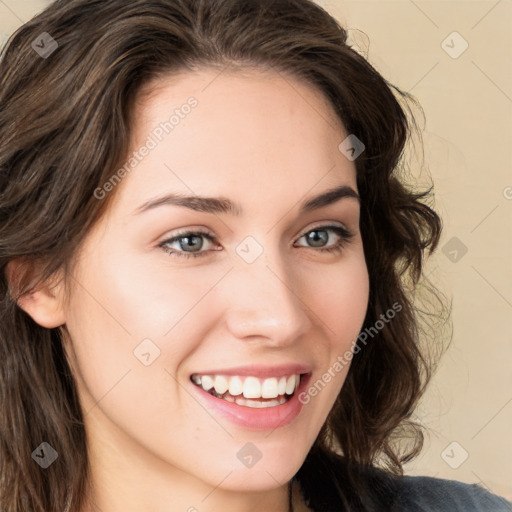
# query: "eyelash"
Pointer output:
{"type": "Point", "coordinates": [344, 234]}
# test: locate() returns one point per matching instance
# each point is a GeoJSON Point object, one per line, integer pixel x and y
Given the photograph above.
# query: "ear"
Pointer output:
{"type": "Point", "coordinates": [44, 301]}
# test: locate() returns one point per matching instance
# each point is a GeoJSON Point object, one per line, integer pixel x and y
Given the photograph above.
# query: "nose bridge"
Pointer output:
{"type": "Point", "coordinates": [263, 301]}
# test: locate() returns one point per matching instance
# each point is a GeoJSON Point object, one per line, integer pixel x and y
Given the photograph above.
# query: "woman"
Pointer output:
{"type": "Point", "coordinates": [208, 260]}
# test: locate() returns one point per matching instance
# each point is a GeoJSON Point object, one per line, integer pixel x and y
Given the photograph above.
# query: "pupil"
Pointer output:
{"type": "Point", "coordinates": [313, 237]}
{"type": "Point", "coordinates": [189, 244]}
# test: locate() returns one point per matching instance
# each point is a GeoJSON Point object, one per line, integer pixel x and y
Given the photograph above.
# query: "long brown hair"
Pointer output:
{"type": "Point", "coordinates": [65, 125]}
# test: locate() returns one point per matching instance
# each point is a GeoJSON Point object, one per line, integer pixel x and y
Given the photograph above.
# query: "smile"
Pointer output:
{"type": "Point", "coordinates": [249, 391]}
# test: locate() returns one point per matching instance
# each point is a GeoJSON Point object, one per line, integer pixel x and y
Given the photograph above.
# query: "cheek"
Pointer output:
{"type": "Point", "coordinates": [122, 302]}
{"type": "Point", "coordinates": [343, 303]}
{"type": "Point", "coordinates": [340, 299]}
{"type": "Point", "coordinates": [113, 323]}
{"type": "Point", "coordinates": [136, 300]}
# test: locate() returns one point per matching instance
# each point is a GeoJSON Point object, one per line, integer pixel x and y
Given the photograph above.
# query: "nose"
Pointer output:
{"type": "Point", "coordinates": [263, 303]}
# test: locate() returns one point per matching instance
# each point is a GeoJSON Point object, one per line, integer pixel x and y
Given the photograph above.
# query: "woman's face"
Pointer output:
{"type": "Point", "coordinates": [260, 298]}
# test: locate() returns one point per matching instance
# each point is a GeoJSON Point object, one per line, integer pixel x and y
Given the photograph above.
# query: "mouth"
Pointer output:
{"type": "Point", "coordinates": [250, 391]}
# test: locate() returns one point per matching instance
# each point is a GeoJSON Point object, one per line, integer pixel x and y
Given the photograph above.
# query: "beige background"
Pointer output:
{"type": "Point", "coordinates": [468, 135]}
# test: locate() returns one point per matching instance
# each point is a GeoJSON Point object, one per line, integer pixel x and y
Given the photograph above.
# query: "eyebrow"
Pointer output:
{"type": "Point", "coordinates": [226, 206]}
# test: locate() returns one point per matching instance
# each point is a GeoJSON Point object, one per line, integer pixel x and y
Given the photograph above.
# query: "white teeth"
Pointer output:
{"type": "Point", "coordinates": [290, 385]}
{"type": "Point", "coordinates": [221, 384]}
{"type": "Point", "coordinates": [206, 382]}
{"type": "Point", "coordinates": [258, 404]}
{"type": "Point", "coordinates": [269, 388]}
{"type": "Point", "coordinates": [250, 387]}
{"type": "Point", "coordinates": [281, 388]}
{"type": "Point", "coordinates": [236, 386]}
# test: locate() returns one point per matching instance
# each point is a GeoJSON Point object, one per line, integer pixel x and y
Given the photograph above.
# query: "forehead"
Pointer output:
{"type": "Point", "coordinates": [225, 96]}
{"type": "Point", "coordinates": [247, 128]}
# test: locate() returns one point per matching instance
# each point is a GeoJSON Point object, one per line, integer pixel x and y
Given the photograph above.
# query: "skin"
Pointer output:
{"type": "Point", "coordinates": [267, 142]}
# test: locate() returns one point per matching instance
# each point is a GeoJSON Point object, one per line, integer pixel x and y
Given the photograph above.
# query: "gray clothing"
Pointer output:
{"type": "Point", "coordinates": [428, 494]}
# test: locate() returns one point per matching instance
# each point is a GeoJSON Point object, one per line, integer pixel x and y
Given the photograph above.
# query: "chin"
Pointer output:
{"type": "Point", "coordinates": [258, 480]}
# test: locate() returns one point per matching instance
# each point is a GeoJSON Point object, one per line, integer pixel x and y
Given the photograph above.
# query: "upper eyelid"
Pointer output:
{"type": "Point", "coordinates": [207, 232]}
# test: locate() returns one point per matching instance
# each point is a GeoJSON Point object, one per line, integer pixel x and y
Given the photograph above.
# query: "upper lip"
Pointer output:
{"type": "Point", "coordinates": [260, 371]}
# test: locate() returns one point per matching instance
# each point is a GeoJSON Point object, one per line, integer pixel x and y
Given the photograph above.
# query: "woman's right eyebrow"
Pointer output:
{"type": "Point", "coordinates": [224, 205]}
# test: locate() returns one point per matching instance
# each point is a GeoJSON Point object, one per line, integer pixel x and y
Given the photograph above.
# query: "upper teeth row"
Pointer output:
{"type": "Point", "coordinates": [250, 387]}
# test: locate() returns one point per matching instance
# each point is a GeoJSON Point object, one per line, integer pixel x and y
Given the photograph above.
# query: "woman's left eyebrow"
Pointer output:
{"type": "Point", "coordinates": [224, 205]}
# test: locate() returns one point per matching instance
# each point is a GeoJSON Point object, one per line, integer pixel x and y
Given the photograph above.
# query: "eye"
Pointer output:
{"type": "Point", "coordinates": [190, 243]}
{"type": "Point", "coordinates": [319, 237]}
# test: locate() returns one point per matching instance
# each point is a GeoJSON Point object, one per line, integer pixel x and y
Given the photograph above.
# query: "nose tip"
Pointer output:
{"type": "Point", "coordinates": [266, 306]}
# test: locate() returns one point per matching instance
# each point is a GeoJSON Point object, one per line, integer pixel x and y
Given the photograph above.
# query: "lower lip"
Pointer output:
{"type": "Point", "coordinates": [258, 419]}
